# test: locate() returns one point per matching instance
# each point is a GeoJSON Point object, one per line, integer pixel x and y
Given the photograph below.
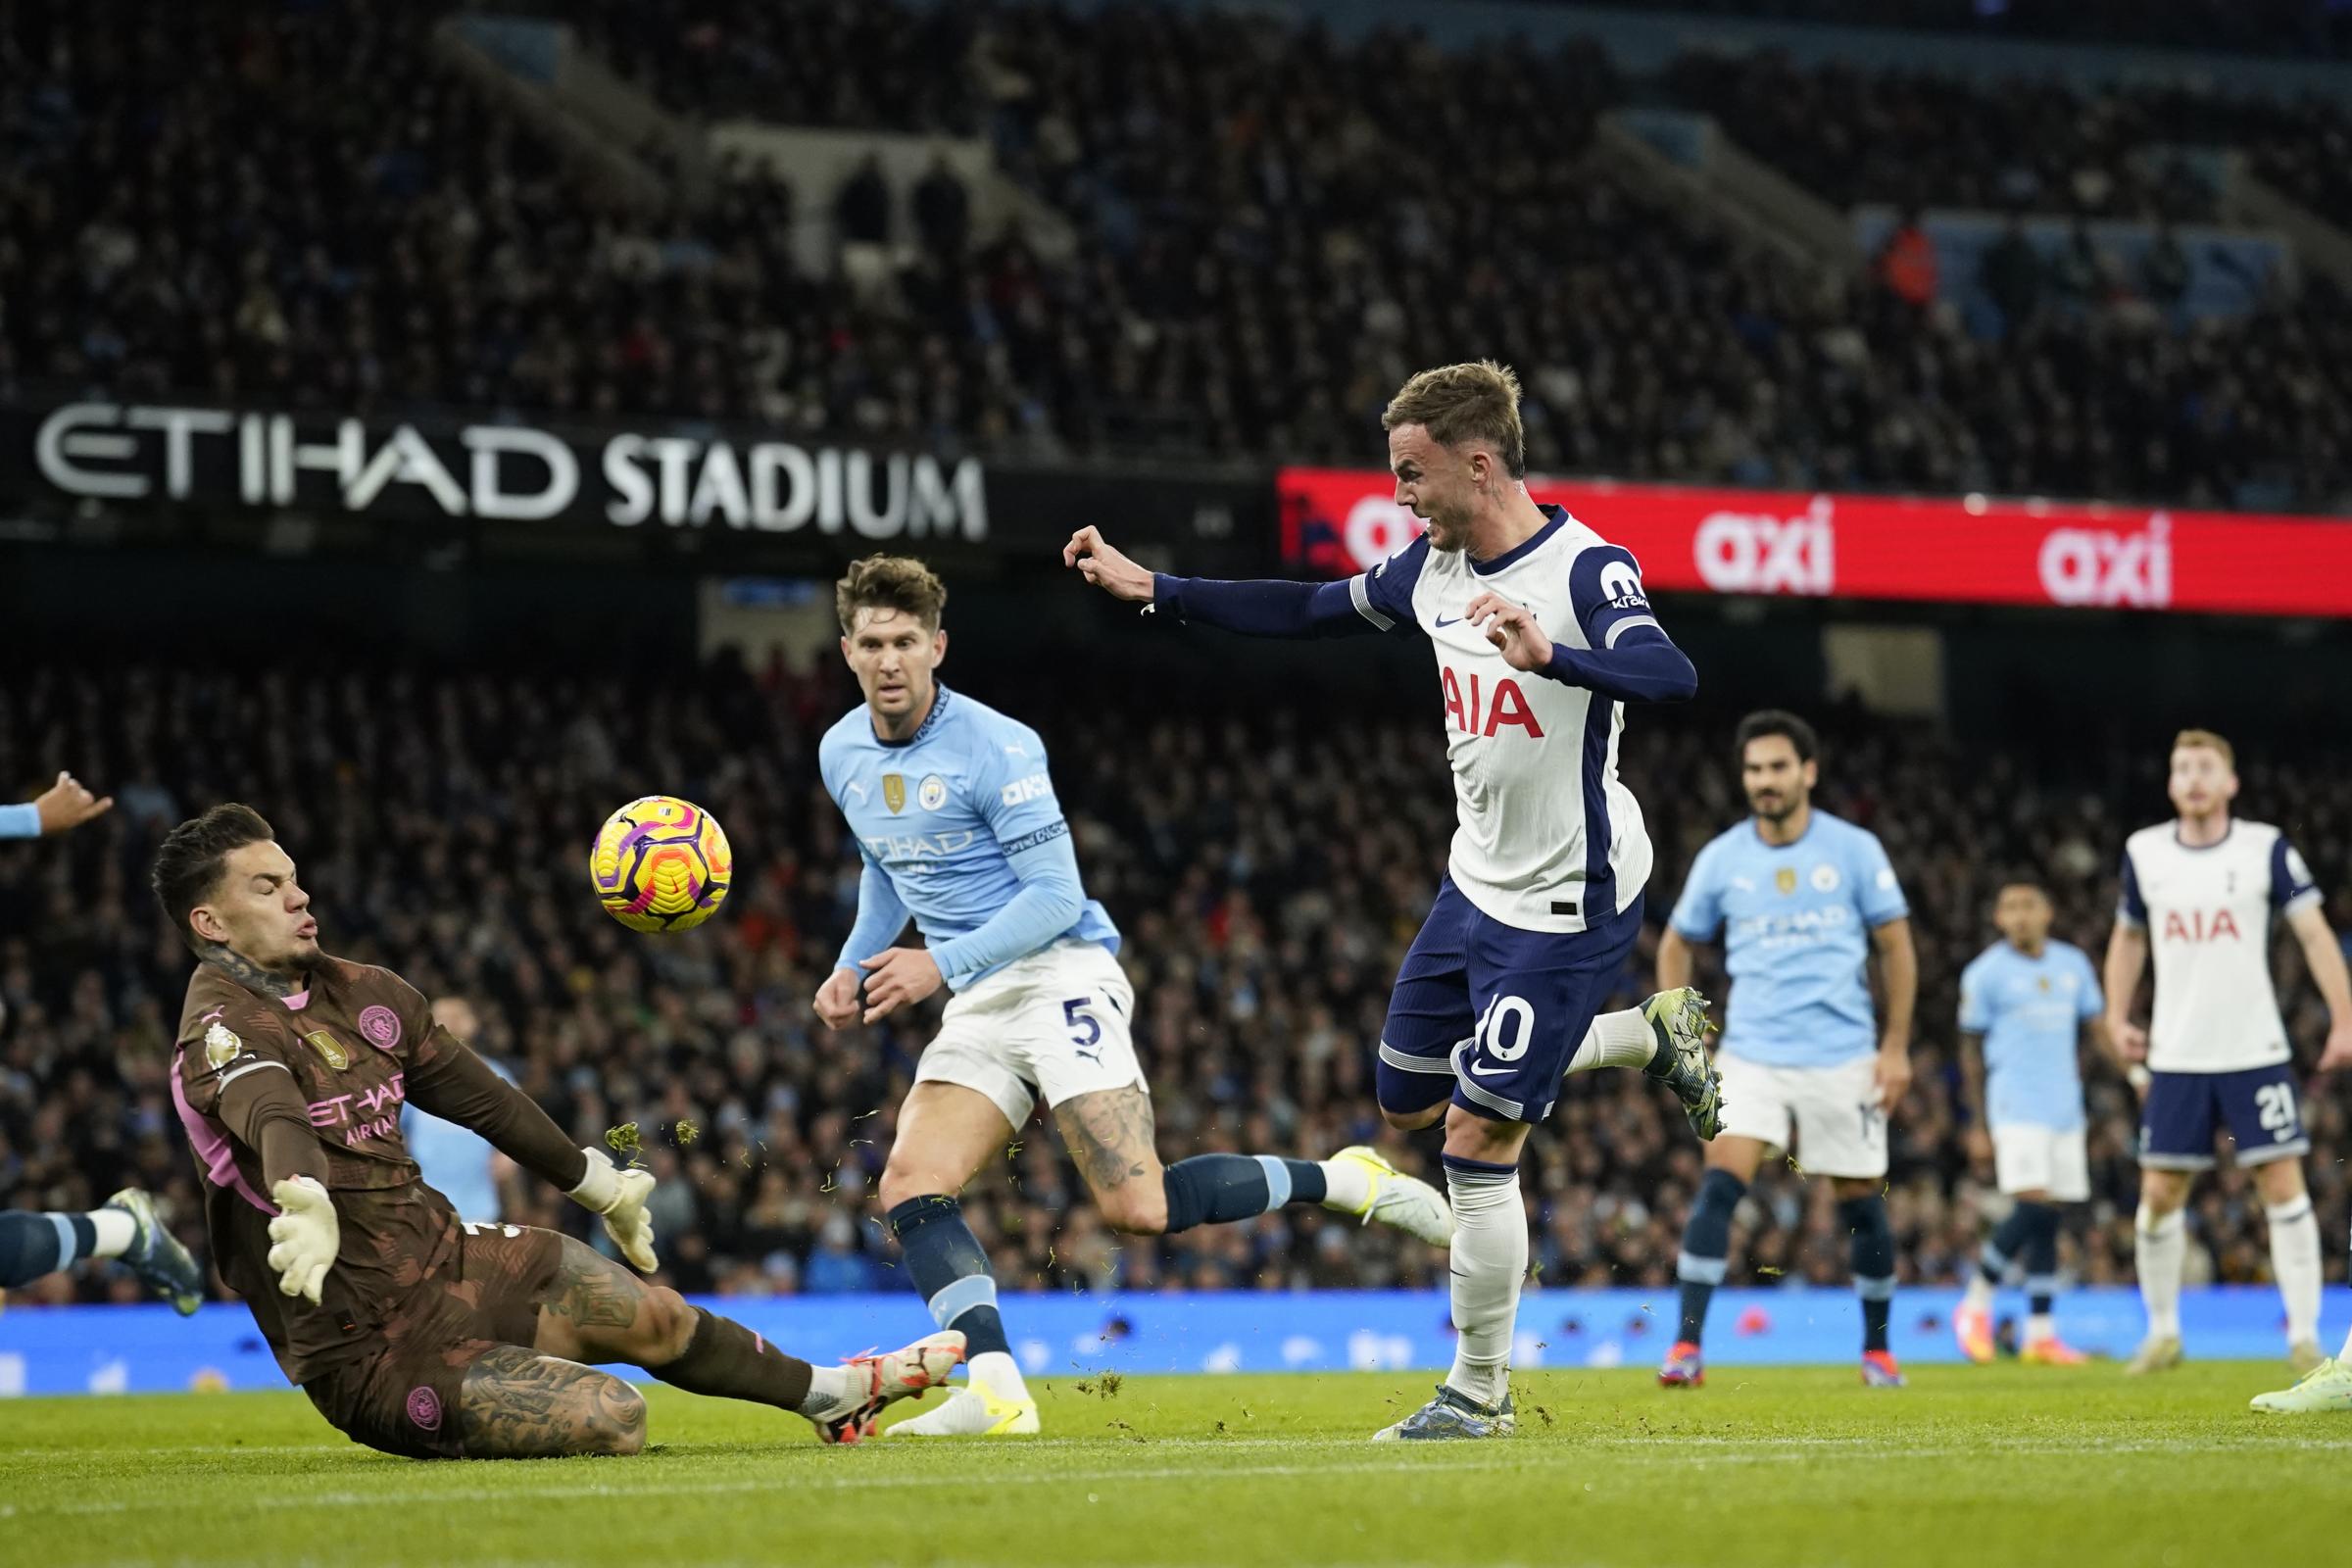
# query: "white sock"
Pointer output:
{"type": "Point", "coordinates": [2040, 1326]}
{"type": "Point", "coordinates": [1346, 1185]}
{"type": "Point", "coordinates": [2295, 1264]}
{"type": "Point", "coordinates": [115, 1232]}
{"type": "Point", "coordinates": [1980, 1291]}
{"type": "Point", "coordinates": [1489, 1261]}
{"type": "Point", "coordinates": [831, 1392]}
{"type": "Point", "coordinates": [1616, 1039]}
{"type": "Point", "coordinates": [996, 1371]}
{"type": "Point", "coordinates": [2159, 1250]}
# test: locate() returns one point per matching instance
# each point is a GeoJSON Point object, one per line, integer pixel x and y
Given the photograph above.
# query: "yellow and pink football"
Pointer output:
{"type": "Point", "coordinates": [661, 863]}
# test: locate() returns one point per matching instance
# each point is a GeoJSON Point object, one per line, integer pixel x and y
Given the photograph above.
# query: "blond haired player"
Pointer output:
{"type": "Point", "coordinates": [2201, 891]}
{"type": "Point", "coordinates": [1542, 634]}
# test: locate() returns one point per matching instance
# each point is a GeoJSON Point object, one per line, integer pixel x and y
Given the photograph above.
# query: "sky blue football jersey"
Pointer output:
{"type": "Point", "coordinates": [2030, 1013]}
{"type": "Point", "coordinates": [1796, 922]}
{"type": "Point", "coordinates": [941, 811]}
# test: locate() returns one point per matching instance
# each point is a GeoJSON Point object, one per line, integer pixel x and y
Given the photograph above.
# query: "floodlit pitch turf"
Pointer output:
{"type": "Point", "coordinates": [1968, 1466]}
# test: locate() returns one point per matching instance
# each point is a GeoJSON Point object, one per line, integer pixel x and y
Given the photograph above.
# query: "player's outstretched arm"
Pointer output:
{"type": "Point", "coordinates": [66, 804]}
{"type": "Point", "coordinates": [1269, 607]}
{"type": "Point", "coordinates": [2326, 957]}
{"type": "Point", "coordinates": [445, 1078]}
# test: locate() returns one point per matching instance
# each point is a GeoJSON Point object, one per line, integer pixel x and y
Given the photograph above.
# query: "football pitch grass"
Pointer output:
{"type": "Point", "coordinates": [1762, 1467]}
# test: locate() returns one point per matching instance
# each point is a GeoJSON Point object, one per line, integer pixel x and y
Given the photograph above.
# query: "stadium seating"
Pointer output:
{"type": "Point", "coordinates": [1229, 292]}
{"type": "Point", "coordinates": [1267, 873]}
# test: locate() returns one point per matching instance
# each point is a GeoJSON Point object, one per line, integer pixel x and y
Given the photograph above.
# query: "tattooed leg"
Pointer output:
{"type": "Point", "coordinates": [1110, 1134]}
{"type": "Point", "coordinates": [596, 1310]}
{"type": "Point", "coordinates": [517, 1404]}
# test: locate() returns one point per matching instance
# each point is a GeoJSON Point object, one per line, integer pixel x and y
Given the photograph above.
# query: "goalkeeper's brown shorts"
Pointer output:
{"type": "Point", "coordinates": [401, 1394]}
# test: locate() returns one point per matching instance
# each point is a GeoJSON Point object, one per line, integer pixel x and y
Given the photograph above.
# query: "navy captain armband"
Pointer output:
{"type": "Point", "coordinates": [1044, 835]}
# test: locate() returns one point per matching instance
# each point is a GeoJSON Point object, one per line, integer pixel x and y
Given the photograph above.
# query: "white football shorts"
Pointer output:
{"type": "Point", "coordinates": [1054, 1023]}
{"type": "Point", "coordinates": [1826, 1118]}
{"type": "Point", "coordinates": [2028, 1159]}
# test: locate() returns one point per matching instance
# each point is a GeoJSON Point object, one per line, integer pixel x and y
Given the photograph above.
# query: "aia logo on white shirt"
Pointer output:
{"type": "Point", "coordinates": [2196, 925]}
{"type": "Point", "coordinates": [1487, 711]}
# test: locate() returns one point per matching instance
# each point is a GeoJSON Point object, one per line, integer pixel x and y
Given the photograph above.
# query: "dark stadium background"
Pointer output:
{"type": "Point", "coordinates": [340, 210]}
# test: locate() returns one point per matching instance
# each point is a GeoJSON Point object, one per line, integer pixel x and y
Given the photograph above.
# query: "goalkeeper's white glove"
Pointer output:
{"type": "Point", "coordinates": [307, 1236]}
{"type": "Point", "coordinates": [620, 1197]}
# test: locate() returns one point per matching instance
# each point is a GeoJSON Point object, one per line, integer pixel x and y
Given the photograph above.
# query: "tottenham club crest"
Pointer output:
{"type": "Point", "coordinates": [222, 1046]}
{"type": "Point", "coordinates": [893, 791]}
{"type": "Point", "coordinates": [932, 793]}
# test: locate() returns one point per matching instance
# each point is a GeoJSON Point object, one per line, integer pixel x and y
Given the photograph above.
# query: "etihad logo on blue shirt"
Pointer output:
{"type": "Point", "coordinates": [1796, 926]}
{"type": "Point", "coordinates": [897, 847]}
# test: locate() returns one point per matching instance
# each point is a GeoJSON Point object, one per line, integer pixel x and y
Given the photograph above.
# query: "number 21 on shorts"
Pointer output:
{"type": "Point", "coordinates": [2275, 1110]}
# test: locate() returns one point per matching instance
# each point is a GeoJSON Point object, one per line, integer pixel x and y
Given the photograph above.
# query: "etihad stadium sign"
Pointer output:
{"type": "Point", "coordinates": [680, 478]}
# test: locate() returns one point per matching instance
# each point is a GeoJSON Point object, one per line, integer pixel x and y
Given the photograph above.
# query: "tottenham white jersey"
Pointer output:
{"type": "Point", "coordinates": [1549, 838]}
{"type": "Point", "coordinates": [2207, 913]}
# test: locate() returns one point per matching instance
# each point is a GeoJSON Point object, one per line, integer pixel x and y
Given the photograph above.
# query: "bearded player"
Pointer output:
{"type": "Point", "coordinates": [412, 1332]}
{"type": "Point", "coordinates": [957, 826]}
{"type": "Point", "coordinates": [1542, 633]}
{"type": "Point", "coordinates": [2199, 892]}
{"type": "Point", "coordinates": [1801, 899]}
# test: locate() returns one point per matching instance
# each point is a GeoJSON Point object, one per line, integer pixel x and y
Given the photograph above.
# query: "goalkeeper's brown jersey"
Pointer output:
{"type": "Point", "coordinates": [313, 1085]}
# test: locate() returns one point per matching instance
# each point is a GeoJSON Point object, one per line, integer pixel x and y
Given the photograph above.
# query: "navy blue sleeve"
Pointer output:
{"type": "Point", "coordinates": [1630, 658]}
{"type": "Point", "coordinates": [2291, 883]}
{"type": "Point", "coordinates": [1265, 606]}
{"type": "Point", "coordinates": [2131, 909]}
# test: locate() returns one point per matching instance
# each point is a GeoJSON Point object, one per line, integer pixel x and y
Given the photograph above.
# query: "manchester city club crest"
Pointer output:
{"type": "Point", "coordinates": [893, 791]}
{"type": "Point", "coordinates": [330, 1048]}
{"type": "Point", "coordinates": [932, 793]}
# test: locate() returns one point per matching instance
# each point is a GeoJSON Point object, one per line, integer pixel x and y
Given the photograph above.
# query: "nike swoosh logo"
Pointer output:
{"type": "Point", "coordinates": [1455, 622]}
{"type": "Point", "coordinates": [1485, 1071]}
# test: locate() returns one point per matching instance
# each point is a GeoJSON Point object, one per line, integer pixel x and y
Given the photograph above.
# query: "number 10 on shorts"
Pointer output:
{"type": "Point", "coordinates": [1506, 1029]}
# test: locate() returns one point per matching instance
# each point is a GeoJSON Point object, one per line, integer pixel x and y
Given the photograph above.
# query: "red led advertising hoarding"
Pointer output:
{"type": "Point", "coordinates": [1974, 551]}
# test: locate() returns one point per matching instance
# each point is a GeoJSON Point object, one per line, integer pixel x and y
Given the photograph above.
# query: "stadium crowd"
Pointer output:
{"type": "Point", "coordinates": [301, 205]}
{"type": "Point", "coordinates": [1267, 873]}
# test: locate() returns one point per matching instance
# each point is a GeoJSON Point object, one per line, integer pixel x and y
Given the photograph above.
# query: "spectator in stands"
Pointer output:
{"type": "Point", "coordinates": [1906, 263]}
{"type": "Point", "coordinates": [862, 212]}
{"type": "Point", "coordinates": [942, 210]}
{"type": "Point", "coordinates": [2011, 273]}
